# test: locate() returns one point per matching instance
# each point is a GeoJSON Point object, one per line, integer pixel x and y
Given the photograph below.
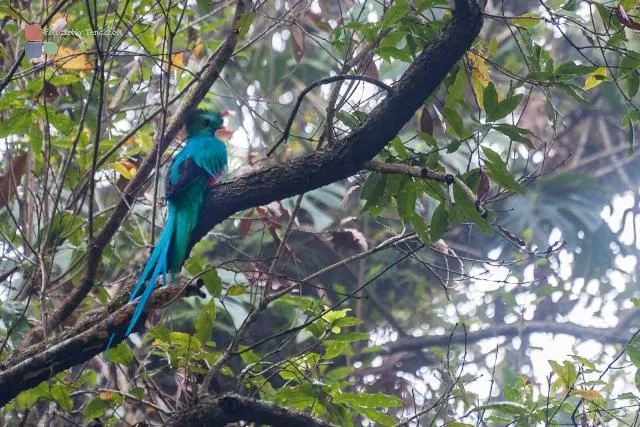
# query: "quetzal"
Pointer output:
{"type": "Point", "coordinates": [199, 164]}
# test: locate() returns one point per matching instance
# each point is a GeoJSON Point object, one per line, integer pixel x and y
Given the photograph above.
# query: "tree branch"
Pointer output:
{"type": "Point", "coordinates": [617, 335]}
{"type": "Point", "coordinates": [191, 100]}
{"type": "Point", "coordinates": [75, 345]}
{"type": "Point", "coordinates": [347, 157]}
{"type": "Point", "coordinates": [79, 343]}
{"type": "Point", "coordinates": [231, 408]}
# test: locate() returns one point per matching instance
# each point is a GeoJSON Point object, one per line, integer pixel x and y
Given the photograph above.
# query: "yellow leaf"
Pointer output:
{"type": "Point", "coordinates": [70, 59]}
{"type": "Point", "coordinates": [125, 168]}
{"type": "Point", "coordinates": [479, 68]}
{"type": "Point", "coordinates": [492, 49]}
{"type": "Point", "coordinates": [587, 394]}
{"type": "Point", "coordinates": [478, 90]}
{"type": "Point", "coordinates": [106, 395]}
{"type": "Point", "coordinates": [197, 51]}
{"type": "Point", "coordinates": [178, 59]}
{"type": "Point", "coordinates": [527, 20]}
{"type": "Point", "coordinates": [595, 78]}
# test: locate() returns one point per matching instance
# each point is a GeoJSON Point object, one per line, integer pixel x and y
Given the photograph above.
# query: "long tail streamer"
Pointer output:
{"type": "Point", "coordinates": [156, 264]}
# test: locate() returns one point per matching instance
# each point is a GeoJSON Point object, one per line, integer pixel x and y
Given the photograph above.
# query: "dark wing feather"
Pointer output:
{"type": "Point", "coordinates": [189, 172]}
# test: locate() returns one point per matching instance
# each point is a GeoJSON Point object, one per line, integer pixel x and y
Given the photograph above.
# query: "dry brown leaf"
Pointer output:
{"type": "Point", "coordinates": [426, 122]}
{"type": "Point", "coordinates": [350, 239]}
{"type": "Point", "coordinates": [10, 180]}
{"type": "Point", "coordinates": [297, 42]}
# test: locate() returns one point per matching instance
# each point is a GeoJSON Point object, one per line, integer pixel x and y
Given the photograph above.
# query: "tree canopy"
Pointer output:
{"type": "Point", "coordinates": [430, 215]}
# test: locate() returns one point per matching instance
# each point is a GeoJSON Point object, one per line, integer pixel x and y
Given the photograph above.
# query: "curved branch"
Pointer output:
{"type": "Point", "coordinates": [231, 408]}
{"type": "Point", "coordinates": [287, 129]}
{"type": "Point", "coordinates": [81, 342]}
{"type": "Point", "coordinates": [617, 335]}
{"type": "Point", "coordinates": [75, 345]}
{"type": "Point", "coordinates": [347, 157]}
{"type": "Point", "coordinates": [191, 100]}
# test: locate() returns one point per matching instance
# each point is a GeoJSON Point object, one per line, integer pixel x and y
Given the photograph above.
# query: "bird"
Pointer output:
{"type": "Point", "coordinates": [201, 163]}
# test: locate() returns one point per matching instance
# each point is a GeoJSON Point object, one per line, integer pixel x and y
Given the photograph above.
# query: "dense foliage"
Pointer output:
{"type": "Point", "coordinates": [480, 270]}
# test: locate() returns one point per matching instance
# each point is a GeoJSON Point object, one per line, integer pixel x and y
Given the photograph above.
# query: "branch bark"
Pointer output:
{"type": "Point", "coordinates": [231, 408]}
{"type": "Point", "coordinates": [617, 335]}
{"type": "Point", "coordinates": [347, 157]}
{"type": "Point", "coordinates": [45, 359]}
{"type": "Point", "coordinates": [191, 101]}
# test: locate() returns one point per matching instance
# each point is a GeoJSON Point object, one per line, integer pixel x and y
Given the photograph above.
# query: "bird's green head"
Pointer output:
{"type": "Point", "coordinates": [204, 123]}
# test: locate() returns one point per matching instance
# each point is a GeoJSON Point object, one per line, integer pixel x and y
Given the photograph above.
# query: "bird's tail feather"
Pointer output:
{"type": "Point", "coordinates": [156, 264]}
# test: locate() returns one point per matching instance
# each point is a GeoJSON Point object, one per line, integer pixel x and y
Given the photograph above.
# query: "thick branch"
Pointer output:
{"type": "Point", "coordinates": [191, 100]}
{"type": "Point", "coordinates": [415, 171]}
{"type": "Point", "coordinates": [75, 345]}
{"type": "Point", "coordinates": [617, 335]}
{"type": "Point", "coordinates": [78, 344]}
{"type": "Point", "coordinates": [231, 408]}
{"type": "Point", "coordinates": [325, 166]}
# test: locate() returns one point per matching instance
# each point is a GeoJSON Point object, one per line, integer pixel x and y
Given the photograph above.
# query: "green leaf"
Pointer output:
{"type": "Point", "coordinates": [348, 119]}
{"type": "Point", "coordinates": [235, 290]}
{"type": "Point", "coordinates": [583, 361]}
{"type": "Point", "coordinates": [120, 354]}
{"type": "Point", "coordinates": [181, 339]}
{"type": "Point", "coordinates": [335, 349]}
{"type": "Point", "coordinates": [633, 351]}
{"type": "Point", "coordinates": [205, 320]}
{"type": "Point", "coordinates": [96, 408]}
{"type": "Point", "coordinates": [339, 373]}
{"type": "Point", "coordinates": [349, 337]}
{"type": "Point", "coordinates": [454, 120]}
{"type": "Point", "coordinates": [378, 417]}
{"type": "Point", "coordinates": [137, 392]}
{"type": "Point", "coordinates": [456, 91]}
{"type": "Point", "coordinates": [504, 108]}
{"type": "Point", "coordinates": [527, 20]}
{"type": "Point", "coordinates": [574, 69]}
{"type": "Point", "coordinates": [465, 207]}
{"type": "Point", "coordinates": [367, 400]}
{"type": "Point", "coordinates": [28, 398]}
{"type": "Point", "coordinates": [407, 201]}
{"type": "Point", "coordinates": [346, 321]}
{"type": "Point", "coordinates": [394, 13]}
{"type": "Point", "coordinates": [376, 192]}
{"type": "Point", "coordinates": [490, 98]}
{"type": "Point", "coordinates": [399, 147]}
{"type": "Point", "coordinates": [244, 23]}
{"type": "Point", "coordinates": [498, 172]}
{"type": "Point", "coordinates": [633, 83]}
{"type": "Point", "coordinates": [515, 133]}
{"type": "Point", "coordinates": [504, 407]}
{"type": "Point", "coordinates": [420, 227]}
{"type": "Point", "coordinates": [64, 79]}
{"type": "Point", "coordinates": [212, 281]}
{"type": "Point", "coordinates": [60, 393]}
{"type": "Point", "coordinates": [439, 222]}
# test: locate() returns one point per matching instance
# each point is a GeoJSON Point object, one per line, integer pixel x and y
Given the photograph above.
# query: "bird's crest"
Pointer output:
{"type": "Point", "coordinates": [204, 122]}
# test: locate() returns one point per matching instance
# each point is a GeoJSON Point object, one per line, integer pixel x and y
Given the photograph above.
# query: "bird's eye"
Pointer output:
{"type": "Point", "coordinates": [206, 122]}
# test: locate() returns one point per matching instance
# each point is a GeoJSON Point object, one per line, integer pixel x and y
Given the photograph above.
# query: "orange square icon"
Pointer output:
{"type": "Point", "coordinates": [33, 32]}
